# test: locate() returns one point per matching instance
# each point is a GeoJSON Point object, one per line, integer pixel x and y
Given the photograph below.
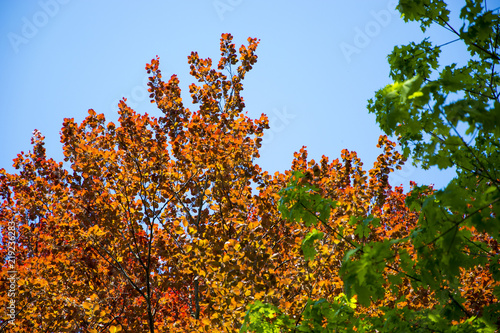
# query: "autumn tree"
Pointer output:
{"type": "Point", "coordinates": [167, 224]}
{"type": "Point", "coordinates": [142, 231]}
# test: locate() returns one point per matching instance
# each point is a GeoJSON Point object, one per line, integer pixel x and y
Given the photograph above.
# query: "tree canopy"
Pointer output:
{"type": "Point", "coordinates": [167, 224]}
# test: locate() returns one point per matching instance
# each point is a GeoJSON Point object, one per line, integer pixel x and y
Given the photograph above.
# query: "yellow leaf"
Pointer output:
{"type": "Point", "coordinates": [234, 304]}
{"type": "Point", "coordinates": [87, 305]}
{"type": "Point", "coordinates": [253, 225]}
{"type": "Point", "coordinates": [114, 329]}
{"type": "Point", "coordinates": [416, 94]}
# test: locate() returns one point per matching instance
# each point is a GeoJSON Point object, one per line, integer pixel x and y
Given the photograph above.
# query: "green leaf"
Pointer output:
{"type": "Point", "coordinates": [308, 244]}
{"type": "Point", "coordinates": [265, 318]}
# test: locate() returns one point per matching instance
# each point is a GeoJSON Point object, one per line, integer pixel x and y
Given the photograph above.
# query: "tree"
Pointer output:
{"type": "Point", "coordinates": [450, 255]}
{"type": "Point", "coordinates": [426, 107]}
{"type": "Point", "coordinates": [141, 232]}
{"type": "Point", "coordinates": [167, 224]}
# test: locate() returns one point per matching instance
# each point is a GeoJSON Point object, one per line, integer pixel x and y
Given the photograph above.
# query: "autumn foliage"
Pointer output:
{"type": "Point", "coordinates": [167, 224]}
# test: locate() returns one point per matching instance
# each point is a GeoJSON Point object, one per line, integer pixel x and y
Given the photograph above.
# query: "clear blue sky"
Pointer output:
{"type": "Point", "coordinates": [313, 77]}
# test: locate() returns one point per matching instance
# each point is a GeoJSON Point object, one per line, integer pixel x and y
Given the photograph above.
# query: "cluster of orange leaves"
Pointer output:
{"type": "Point", "coordinates": [166, 224]}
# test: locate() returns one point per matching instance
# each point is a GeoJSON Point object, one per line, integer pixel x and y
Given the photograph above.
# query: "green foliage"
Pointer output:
{"type": "Point", "coordinates": [318, 316]}
{"type": "Point", "coordinates": [364, 276]}
{"type": "Point", "coordinates": [265, 318]}
{"type": "Point", "coordinates": [425, 11]}
{"type": "Point", "coordinates": [427, 107]}
{"type": "Point", "coordinates": [337, 316]}
{"type": "Point", "coordinates": [362, 225]}
{"type": "Point", "coordinates": [301, 202]}
{"type": "Point", "coordinates": [425, 114]}
{"type": "Point", "coordinates": [308, 244]}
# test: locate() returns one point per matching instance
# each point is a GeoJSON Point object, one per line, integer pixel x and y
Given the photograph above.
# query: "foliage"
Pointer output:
{"type": "Point", "coordinates": [449, 115]}
{"type": "Point", "coordinates": [167, 224]}
{"type": "Point", "coordinates": [347, 211]}
{"type": "Point", "coordinates": [442, 268]}
{"type": "Point", "coordinates": [263, 318]}
{"type": "Point", "coordinates": [152, 227]}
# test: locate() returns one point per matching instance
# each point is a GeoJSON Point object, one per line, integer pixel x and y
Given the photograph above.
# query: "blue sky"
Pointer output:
{"type": "Point", "coordinates": [319, 62]}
